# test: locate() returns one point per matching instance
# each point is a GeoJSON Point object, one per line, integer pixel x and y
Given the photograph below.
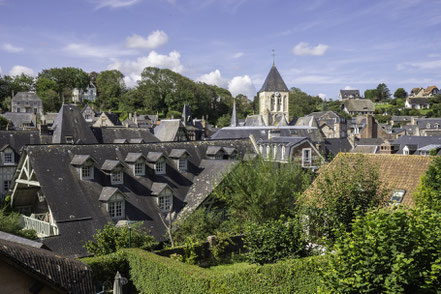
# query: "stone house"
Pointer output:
{"type": "Point", "coordinates": [27, 102]}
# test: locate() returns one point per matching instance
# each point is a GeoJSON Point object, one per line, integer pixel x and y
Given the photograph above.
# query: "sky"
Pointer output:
{"type": "Point", "coordinates": [321, 46]}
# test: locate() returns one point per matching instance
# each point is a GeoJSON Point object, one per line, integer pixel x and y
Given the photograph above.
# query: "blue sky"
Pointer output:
{"type": "Point", "coordinates": [321, 45]}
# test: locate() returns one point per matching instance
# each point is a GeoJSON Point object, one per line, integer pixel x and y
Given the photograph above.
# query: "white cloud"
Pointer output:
{"type": "Point", "coordinates": [114, 3]}
{"type": "Point", "coordinates": [317, 79]}
{"type": "Point", "coordinates": [19, 69]}
{"type": "Point", "coordinates": [323, 96]}
{"type": "Point", "coordinates": [425, 65]}
{"type": "Point", "coordinates": [238, 55]}
{"type": "Point", "coordinates": [11, 48]}
{"type": "Point", "coordinates": [304, 48]}
{"type": "Point", "coordinates": [154, 40]}
{"type": "Point", "coordinates": [86, 50]}
{"type": "Point", "coordinates": [242, 85]}
{"type": "Point", "coordinates": [213, 78]}
{"type": "Point", "coordinates": [132, 68]}
{"type": "Point", "coordinates": [349, 88]}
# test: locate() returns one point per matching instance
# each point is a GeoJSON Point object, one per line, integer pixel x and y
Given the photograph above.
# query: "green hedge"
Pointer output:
{"type": "Point", "coordinates": [151, 273]}
{"type": "Point", "coordinates": [105, 267]}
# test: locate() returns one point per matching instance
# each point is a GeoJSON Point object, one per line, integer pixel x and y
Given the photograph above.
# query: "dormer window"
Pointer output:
{"type": "Point", "coordinates": [165, 196]}
{"type": "Point", "coordinates": [306, 157]}
{"type": "Point", "coordinates": [114, 202]}
{"type": "Point", "coordinates": [85, 166]}
{"type": "Point", "coordinates": [159, 162]}
{"type": "Point", "coordinates": [8, 157]}
{"type": "Point", "coordinates": [69, 139]}
{"type": "Point", "coordinates": [137, 161]}
{"type": "Point", "coordinates": [215, 152]}
{"type": "Point", "coordinates": [180, 156]}
{"type": "Point", "coordinates": [115, 169]}
{"type": "Point", "coordinates": [397, 196]}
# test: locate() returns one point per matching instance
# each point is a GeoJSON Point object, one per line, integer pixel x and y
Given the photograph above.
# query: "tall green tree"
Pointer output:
{"type": "Point", "coordinates": [110, 88]}
{"type": "Point", "coordinates": [371, 94]}
{"type": "Point", "coordinates": [429, 191]}
{"type": "Point", "coordinates": [383, 91]}
{"type": "Point", "coordinates": [400, 93]}
{"type": "Point", "coordinates": [301, 104]}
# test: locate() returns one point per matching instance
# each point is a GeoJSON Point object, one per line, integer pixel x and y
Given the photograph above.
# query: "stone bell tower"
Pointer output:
{"type": "Point", "coordinates": [273, 98]}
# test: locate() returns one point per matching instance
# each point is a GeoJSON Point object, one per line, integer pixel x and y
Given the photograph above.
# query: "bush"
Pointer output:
{"type": "Point", "coordinates": [10, 222]}
{"type": "Point", "coordinates": [151, 273]}
{"type": "Point", "coordinates": [112, 238]}
{"type": "Point", "coordinates": [429, 191]}
{"type": "Point", "coordinates": [274, 240]}
{"type": "Point", "coordinates": [105, 267]}
{"type": "Point", "coordinates": [388, 251]}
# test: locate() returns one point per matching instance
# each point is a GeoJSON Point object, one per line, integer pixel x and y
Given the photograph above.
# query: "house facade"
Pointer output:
{"type": "Point", "coordinates": [80, 95]}
{"type": "Point", "coordinates": [28, 102]}
{"type": "Point", "coordinates": [417, 103]}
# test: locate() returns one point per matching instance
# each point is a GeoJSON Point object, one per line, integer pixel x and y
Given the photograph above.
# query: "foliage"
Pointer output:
{"type": "Point", "coordinates": [112, 238]}
{"type": "Point", "coordinates": [198, 225]}
{"type": "Point", "coordinates": [66, 79]}
{"type": "Point", "coordinates": [224, 121]}
{"type": "Point", "coordinates": [400, 93]}
{"type": "Point", "coordinates": [174, 114]}
{"type": "Point", "coordinates": [151, 273]}
{"type": "Point", "coordinates": [388, 251]}
{"type": "Point", "coordinates": [383, 92]}
{"type": "Point", "coordinates": [260, 190]}
{"type": "Point", "coordinates": [301, 104]}
{"type": "Point", "coordinates": [274, 240]}
{"type": "Point", "coordinates": [110, 87]}
{"type": "Point", "coordinates": [3, 123]}
{"type": "Point", "coordinates": [349, 187]}
{"type": "Point", "coordinates": [10, 222]}
{"type": "Point", "coordinates": [104, 267]}
{"type": "Point", "coordinates": [371, 94]}
{"type": "Point", "coordinates": [223, 240]}
{"type": "Point", "coordinates": [429, 191]}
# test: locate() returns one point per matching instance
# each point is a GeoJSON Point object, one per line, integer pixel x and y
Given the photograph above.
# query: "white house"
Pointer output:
{"type": "Point", "coordinates": [79, 95]}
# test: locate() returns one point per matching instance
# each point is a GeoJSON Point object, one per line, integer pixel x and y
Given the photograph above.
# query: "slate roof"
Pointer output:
{"type": "Point", "coordinates": [20, 240]}
{"type": "Point", "coordinates": [359, 105]}
{"type": "Point", "coordinates": [418, 100]}
{"type": "Point", "coordinates": [137, 141]}
{"type": "Point", "coordinates": [17, 139]}
{"type": "Point", "coordinates": [167, 130]}
{"type": "Point", "coordinates": [154, 156]}
{"type": "Point", "coordinates": [157, 188]}
{"type": "Point", "coordinates": [109, 134]}
{"type": "Point", "coordinates": [417, 141]}
{"type": "Point", "coordinates": [113, 118]}
{"type": "Point", "coordinates": [234, 121]}
{"type": "Point", "coordinates": [133, 157]}
{"type": "Point", "coordinates": [254, 121]}
{"type": "Point", "coordinates": [337, 145]}
{"type": "Point", "coordinates": [78, 160]}
{"type": "Point", "coordinates": [274, 82]}
{"type": "Point", "coordinates": [75, 204]}
{"type": "Point", "coordinates": [18, 119]}
{"type": "Point", "coordinates": [25, 96]}
{"type": "Point", "coordinates": [186, 115]}
{"type": "Point", "coordinates": [65, 275]}
{"type": "Point", "coordinates": [428, 123]}
{"type": "Point", "coordinates": [366, 149]}
{"type": "Point", "coordinates": [401, 118]}
{"type": "Point", "coordinates": [411, 130]}
{"type": "Point", "coordinates": [70, 122]}
{"type": "Point", "coordinates": [120, 141]}
{"type": "Point", "coordinates": [395, 172]}
{"type": "Point", "coordinates": [313, 134]}
{"type": "Point", "coordinates": [110, 165]}
{"type": "Point", "coordinates": [177, 153]}
{"type": "Point", "coordinates": [107, 193]}
{"type": "Point", "coordinates": [345, 94]}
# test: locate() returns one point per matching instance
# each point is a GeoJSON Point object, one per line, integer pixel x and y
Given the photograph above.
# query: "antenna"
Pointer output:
{"type": "Point", "coordinates": [274, 54]}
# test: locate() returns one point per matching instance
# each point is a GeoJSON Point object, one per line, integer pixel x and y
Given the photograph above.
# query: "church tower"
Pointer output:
{"type": "Point", "coordinates": [273, 98]}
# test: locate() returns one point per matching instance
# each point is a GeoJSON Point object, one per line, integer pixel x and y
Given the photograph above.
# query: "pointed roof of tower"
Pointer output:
{"type": "Point", "coordinates": [234, 121]}
{"type": "Point", "coordinates": [274, 82]}
{"type": "Point", "coordinates": [186, 115]}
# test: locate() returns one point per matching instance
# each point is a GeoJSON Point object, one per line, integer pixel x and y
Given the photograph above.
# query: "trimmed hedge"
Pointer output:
{"type": "Point", "coordinates": [105, 267]}
{"type": "Point", "coordinates": [151, 273]}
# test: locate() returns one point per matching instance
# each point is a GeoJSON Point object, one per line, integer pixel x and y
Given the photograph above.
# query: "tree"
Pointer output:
{"type": "Point", "coordinates": [224, 121]}
{"type": "Point", "coordinates": [383, 92]}
{"type": "Point", "coordinates": [66, 79]}
{"type": "Point", "coordinates": [110, 87]}
{"type": "Point", "coordinates": [372, 94]}
{"type": "Point", "coordinates": [112, 238]}
{"type": "Point", "coordinates": [429, 191]}
{"type": "Point", "coordinates": [400, 93]}
{"type": "Point", "coordinates": [260, 190]}
{"type": "Point", "coordinates": [388, 251]}
{"type": "Point", "coordinates": [347, 187]}
{"type": "Point", "coordinates": [301, 104]}
{"type": "Point", "coordinates": [10, 222]}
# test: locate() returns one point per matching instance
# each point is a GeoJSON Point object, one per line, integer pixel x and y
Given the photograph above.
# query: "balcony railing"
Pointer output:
{"type": "Point", "coordinates": [43, 229]}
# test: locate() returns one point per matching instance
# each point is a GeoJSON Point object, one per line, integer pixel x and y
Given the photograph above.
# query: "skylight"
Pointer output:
{"type": "Point", "coordinates": [397, 196]}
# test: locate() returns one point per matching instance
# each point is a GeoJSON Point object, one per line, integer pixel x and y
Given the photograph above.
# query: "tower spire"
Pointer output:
{"type": "Point", "coordinates": [274, 54]}
{"type": "Point", "coordinates": [234, 122]}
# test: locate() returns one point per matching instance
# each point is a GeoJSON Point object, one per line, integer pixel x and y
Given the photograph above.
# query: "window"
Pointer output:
{"type": "Point", "coordinates": [18, 109]}
{"type": "Point", "coordinates": [139, 169]}
{"type": "Point", "coordinates": [87, 172]}
{"type": "Point", "coordinates": [69, 139]}
{"type": "Point", "coordinates": [219, 155]}
{"type": "Point", "coordinates": [306, 157]}
{"type": "Point", "coordinates": [116, 209]}
{"type": "Point", "coordinates": [116, 177]}
{"type": "Point", "coordinates": [160, 168]}
{"type": "Point", "coordinates": [406, 150]}
{"type": "Point", "coordinates": [87, 117]}
{"type": "Point", "coordinates": [6, 185]}
{"type": "Point", "coordinates": [397, 196]}
{"type": "Point", "coordinates": [182, 164]}
{"type": "Point", "coordinates": [8, 157]}
{"type": "Point", "coordinates": [165, 203]}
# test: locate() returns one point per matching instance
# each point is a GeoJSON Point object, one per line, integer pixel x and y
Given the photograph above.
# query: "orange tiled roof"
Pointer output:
{"type": "Point", "coordinates": [429, 90]}
{"type": "Point", "coordinates": [396, 171]}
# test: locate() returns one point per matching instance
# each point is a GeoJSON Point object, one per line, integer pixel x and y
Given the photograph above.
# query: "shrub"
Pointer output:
{"type": "Point", "coordinates": [388, 251]}
{"type": "Point", "coordinates": [105, 267]}
{"type": "Point", "coordinates": [10, 222]}
{"type": "Point", "coordinates": [112, 238]}
{"type": "Point", "coordinates": [274, 240]}
{"type": "Point", "coordinates": [429, 191]}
